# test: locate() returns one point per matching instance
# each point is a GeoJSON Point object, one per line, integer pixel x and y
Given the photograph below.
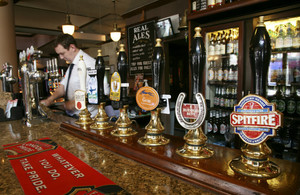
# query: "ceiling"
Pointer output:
{"type": "Point", "coordinates": [36, 17]}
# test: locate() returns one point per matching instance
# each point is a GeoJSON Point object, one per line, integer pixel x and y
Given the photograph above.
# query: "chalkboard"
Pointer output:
{"type": "Point", "coordinates": [141, 40]}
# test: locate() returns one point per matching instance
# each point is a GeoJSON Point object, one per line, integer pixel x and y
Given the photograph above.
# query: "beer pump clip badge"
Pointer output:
{"type": "Point", "coordinates": [80, 100]}
{"type": "Point", "coordinates": [255, 119]}
{"type": "Point", "coordinates": [147, 98]}
{"type": "Point", "coordinates": [115, 87]}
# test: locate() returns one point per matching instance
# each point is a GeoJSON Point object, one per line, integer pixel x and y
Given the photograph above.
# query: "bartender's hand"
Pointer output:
{"type": "Point", "coordinates": [46, 102]}
{"type": "Point", "coordinates": [70, 105]}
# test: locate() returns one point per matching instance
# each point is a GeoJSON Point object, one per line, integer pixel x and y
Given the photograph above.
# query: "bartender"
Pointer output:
{"type": "Point", "coordinates": [66, 48]}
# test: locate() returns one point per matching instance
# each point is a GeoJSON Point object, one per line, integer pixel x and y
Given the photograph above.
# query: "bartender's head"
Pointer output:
{"type": "Point", "coordinates": [66, 47]}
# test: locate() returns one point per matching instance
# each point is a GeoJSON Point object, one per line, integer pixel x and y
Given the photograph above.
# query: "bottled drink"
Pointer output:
{"type": "Point", "coordinates": [279, 100]}
{"type": "Point", "coordinates": [211, 73]}
{"type": "Point", "coordinates": [296, 38]}
{"type": "Point", "coordinates": [220, 72]}
{"type": "Point", "coordinates": [223, 44]}
{"type": "Point", "coordinates": [203, 5]}
{"type": "Point", "coordinates": [260, 53]}
{"type": "Point", "coordinates": [227, 98]}
{"type": "Point", "coordinates": [288, 39]}
{"type": "Point", "coordinates": [216, 123]}
{"type": "Point", "coordinates": [219, 2]}
{"type": "Point", "coordinates": [236, 42]}
{"type": "Point", "coordinates": [218, 44]}
{"type": "Point", "coordinates": [210, 122]}
{"type": "Point", "coordinates": [211, 47]}
{"type": "Point", "coordinates": [222, 98]}
{"type": "Point", "coordinates": [100, 68]}
{"type": "Point", "coordinates": [225, 67]}
{"type": "Point", "coordinates": [230, 43]}
{"type": "Point", "coordinates": [217, 98]}
{"type": "Point", "coordinates": [291, 103]}
{"type": "Point", "coordinates": [280, 38]}
{"type": "Point", "coordinates": [211, 3]}
{"type": "Point", "coordinates": [194, 5]}
{"type": "Point", "coordinates": [223, 123]}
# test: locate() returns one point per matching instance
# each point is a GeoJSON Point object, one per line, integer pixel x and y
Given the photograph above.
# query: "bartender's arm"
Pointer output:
{"type": "Point", "coordinates": [59, 92]}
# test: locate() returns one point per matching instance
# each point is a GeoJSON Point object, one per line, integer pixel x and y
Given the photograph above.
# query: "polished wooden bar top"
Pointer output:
{"type": "Point", "coordinates": [213, 173]}
{"type": "Point", "coordinates": [134, 177]}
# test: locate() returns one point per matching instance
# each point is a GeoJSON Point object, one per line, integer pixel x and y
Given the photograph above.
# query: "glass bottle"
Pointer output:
{"type": "Point", "coordinates": [218, 44]}
{"type": "Point", "coordinates": [296, 38]}
{"type": "Point", "coordinates": [223, 44]}
{"type": "Point", "coordinates": [280, 38]}
{"type": "Point", "coordinates": [291, 103]}
{"type": "Point", "coordinates": [211, 3]}
{"type": "Point", "coordinates": [288, 39]}
{"type": "Point", "coordinates": [260, 54]}
{"type": "Point", "coordinates": [217, 122]}
{"type": "Point", "coordinates": [122, 66]}
{"type": "Point", "coordinates": [230, 43]}
{"type": "Point", "coordinates": [211, 74]}
{"type": "Point", "coordinates": [210, 122]}
{"type": "Point", "coordinates": [225, 67]}
{"type": "Point", "coordinates": [211, 47]}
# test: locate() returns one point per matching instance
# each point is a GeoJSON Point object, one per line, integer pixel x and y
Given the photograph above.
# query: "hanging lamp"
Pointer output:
{"type": "Point", "coordinates": [115, 34]}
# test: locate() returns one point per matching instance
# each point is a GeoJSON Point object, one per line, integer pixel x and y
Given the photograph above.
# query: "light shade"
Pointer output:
{"type": "Point", "coordinates": [68, 27]}
{"type": "Point", "coordinates": [115, 35]}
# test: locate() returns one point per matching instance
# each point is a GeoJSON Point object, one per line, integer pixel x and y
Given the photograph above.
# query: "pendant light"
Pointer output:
{"type": "Point", "coordinates": [68, 27]}
{"type": "Point", "coordinates": [115, 35]}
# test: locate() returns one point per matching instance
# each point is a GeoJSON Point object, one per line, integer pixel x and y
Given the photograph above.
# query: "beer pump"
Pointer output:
{"type": "Point", "coordinates": [148, 99]}
{"type": "Point", "coordinates": [195, 139]}
{"type": "Point", "coordinates": [255, 119]}
{"type": "Point", "coordinates": [30, 78]}
{"type": "Point", "coordinates": [7, 78]}
{"type": "Point", "coordinates": [80, 97]}
{"type": "Point", "coordinates": [96, 94]}
{"type": "Point", "coordinates": [118, 95]}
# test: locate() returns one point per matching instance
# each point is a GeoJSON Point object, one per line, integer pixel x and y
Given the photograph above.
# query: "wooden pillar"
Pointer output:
{"type": "Point", "coordinates": [8, 50]}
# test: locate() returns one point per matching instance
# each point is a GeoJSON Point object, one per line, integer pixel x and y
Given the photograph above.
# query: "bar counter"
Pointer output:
{"type": "Point", "coordinates": [132, 176]}
{"type": "Point", "coordinates": [142, 170]}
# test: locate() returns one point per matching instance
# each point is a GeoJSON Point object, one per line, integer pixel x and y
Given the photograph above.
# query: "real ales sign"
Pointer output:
{"type": "Point", "coordinates": [141, 38]}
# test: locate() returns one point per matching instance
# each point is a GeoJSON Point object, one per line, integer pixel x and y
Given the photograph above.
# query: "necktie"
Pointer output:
{"type": "Point", "coordinates": [70, 72]}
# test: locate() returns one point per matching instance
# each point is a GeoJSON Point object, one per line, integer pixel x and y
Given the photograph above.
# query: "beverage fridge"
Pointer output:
{"type": "Point", "coordinates": [223, 81]}
{"type": "Point", "coordinates": [283, 86]}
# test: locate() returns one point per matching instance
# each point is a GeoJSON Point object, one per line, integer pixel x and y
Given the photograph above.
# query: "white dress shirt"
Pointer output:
{"type": "Point", "coordinates": [74, 83]}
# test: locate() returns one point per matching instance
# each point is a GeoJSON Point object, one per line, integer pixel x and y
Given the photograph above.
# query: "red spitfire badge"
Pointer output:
{"type": "Point", "coordinates": [255, 119]}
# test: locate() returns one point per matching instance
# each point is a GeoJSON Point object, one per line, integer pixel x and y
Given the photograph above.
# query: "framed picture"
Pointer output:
{"type": "Point", "coordinates": [164, 28]}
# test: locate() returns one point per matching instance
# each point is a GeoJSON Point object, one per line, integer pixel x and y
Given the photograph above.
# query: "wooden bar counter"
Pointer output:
{"type": "Point", "coordinates": [145, 170]}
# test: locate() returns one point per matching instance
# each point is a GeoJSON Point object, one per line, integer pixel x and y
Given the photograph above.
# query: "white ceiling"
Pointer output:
{"type": "Point", "coordinates": [91, 16]}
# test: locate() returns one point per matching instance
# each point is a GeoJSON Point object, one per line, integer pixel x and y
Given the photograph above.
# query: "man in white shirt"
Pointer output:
{"type": "Point", "coordinates": [66, 48]}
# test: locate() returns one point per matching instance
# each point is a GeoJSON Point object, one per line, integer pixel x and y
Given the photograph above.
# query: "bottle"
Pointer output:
{"type": "Point", "coordinates": [100, 68]}
{"type": "Point", "coordinates": [288, 39]}
{"type": "Point", "coordinates": [216, 71]}
{"type": "Point", "coordinates": [227, 98]}
{"type": "Point", "coordinates": [280, 38]}
{"type": "Point", "coordinates": [217, 122]}
{"type": "Point", "coordinates": [210, 122]}
{"type": "Point", "coordinates": [236, 42]}
{"type": "Point", "coordinates": [225, 66]}
{"type": "Point", "coordinates": [194, 5]}
{"type": "Point", "coordinates": [223, 44]}
{"type": "Point", "coordinates": [291, 103]}
{"type": "Point", "coordinates": [220, 73]}
{"type": "Point", "coordinates": [223, 123]}
{"type": "Point", "coordinates": [260, 54]}
{"type": "Point", "coordinates": [230, 43]}
{"type": "Point", "coordinates": [211, 74]}
{"type": "Point", "coordinates": [218, 44]}
{"type": "Point", "coordinates": [203, 5]}
{"type": "Point", "coordinates": [211, 47]}
{"type": "Point", "coordinates": [217, 98]}
{"type": "Point", "coordinates": [211, 3]}
{"type": "Point", "coordinates": [296, 38]}
{"type": "Point", "coordinates": [222, 98]}
{"type": "Point", "coordinates": [219, 2]}
{"type": "Point", "coordinates": [279, 100]}
{"type": "Point", "coordinates": [198, 59]}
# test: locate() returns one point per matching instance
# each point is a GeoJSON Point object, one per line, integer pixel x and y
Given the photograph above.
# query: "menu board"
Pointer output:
{"type": "Point", "coordinates": [141, 39]}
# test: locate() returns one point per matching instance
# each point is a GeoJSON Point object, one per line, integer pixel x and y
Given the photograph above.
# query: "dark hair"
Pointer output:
{"type": "Point", "coordinates": [65, 40]}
